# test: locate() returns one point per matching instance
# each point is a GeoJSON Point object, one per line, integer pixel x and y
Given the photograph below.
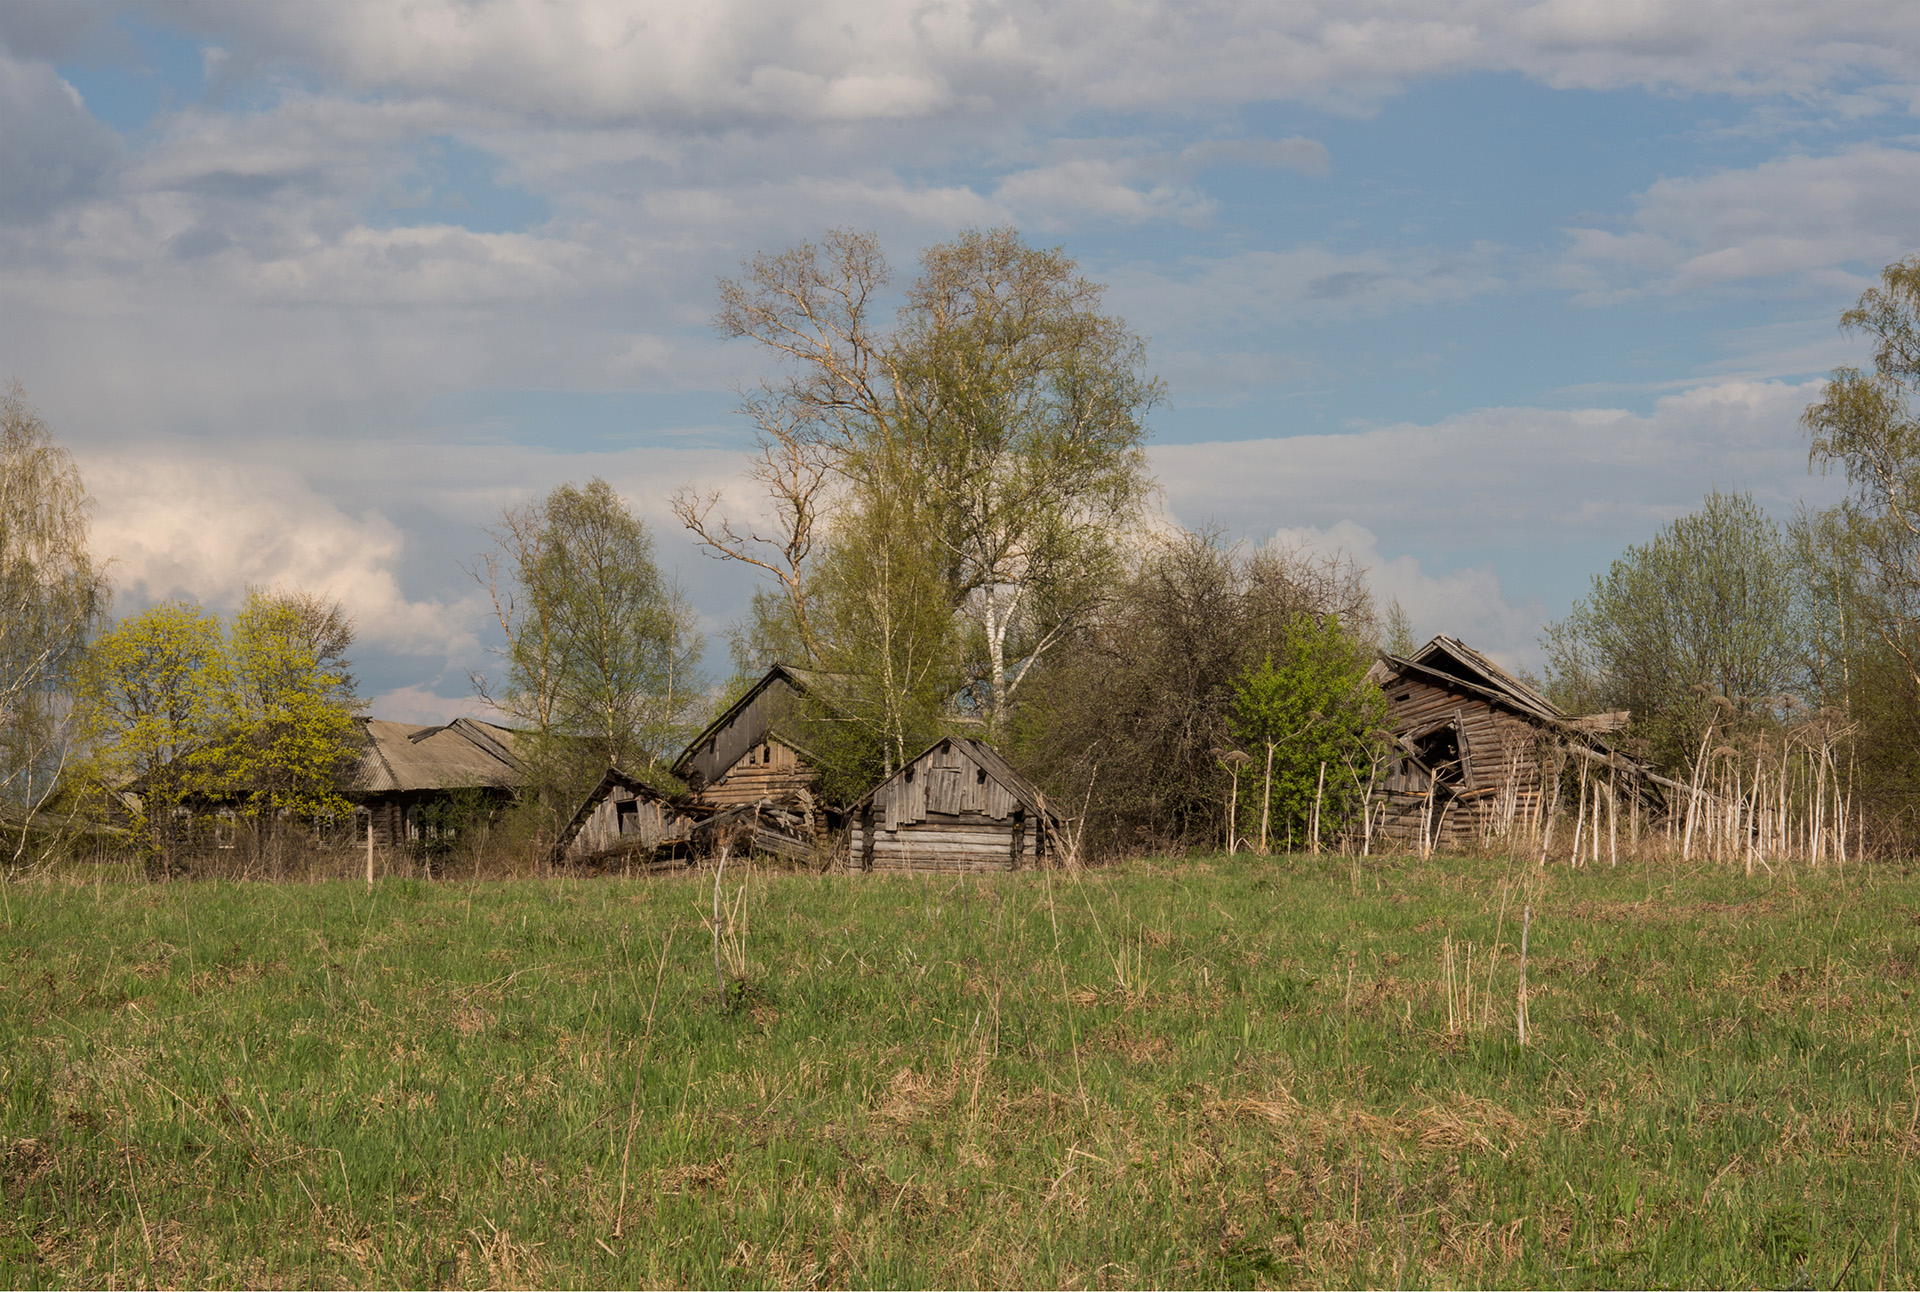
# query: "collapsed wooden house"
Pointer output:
{"type": "Point", "coordinates": [789, 825]}
{"type": "Point", "coordinates": [958, 806]}
{"type": "Point", "coordinates": [751, 751]}
{"type": "Point", "coordinates": [1479, 753]}
{"type": "Point", "coordinates": [625, 822]}
{"type": "Point", "coordinates": [405, 769]}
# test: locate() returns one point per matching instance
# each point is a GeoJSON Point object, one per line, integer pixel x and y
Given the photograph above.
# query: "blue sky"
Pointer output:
{"type": "Point", "coordinates": [1478, 292]}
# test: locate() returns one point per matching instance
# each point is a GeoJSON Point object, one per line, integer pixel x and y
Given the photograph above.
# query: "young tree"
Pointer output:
{"type": "Point", "coordinates": [601, 648]}
{"type": "Point", "coordinates": [1125, 719]}
{"type": "Point", "coordinates": [1314, 717]}
{"type": "Point", "coordinates": [52, 598]}
{"type": "Point", "coordinates": [1003, 403]}
{"type": "Point", "coordinates": [1707, 608]}
{"type": "Point", "coordinates": [148, 695]}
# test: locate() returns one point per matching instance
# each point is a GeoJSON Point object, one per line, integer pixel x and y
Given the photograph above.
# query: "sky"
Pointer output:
{"type": "Point", "coordinates": [1479, 293]}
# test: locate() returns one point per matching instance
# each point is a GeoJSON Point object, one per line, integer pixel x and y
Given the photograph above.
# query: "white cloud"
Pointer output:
{"type": "Point", "coordinates": [1252, 290]}
{"type": "Point", "coordinates": [1804, 216]}
{"type": "Point", "coordinates": [732, 61]}
{"type": "Point", "coordinates": [1467, 603]}
{"type": "Point", "coordinates": [178, 524]}
{"type": "Point", "coordinates": [1506, 476]}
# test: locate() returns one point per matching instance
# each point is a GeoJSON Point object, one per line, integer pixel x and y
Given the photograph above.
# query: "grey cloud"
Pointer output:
{"type": "Point", "coordinates": [52, 150]}
{"type": "Point", "coordinates": [1307, 156]}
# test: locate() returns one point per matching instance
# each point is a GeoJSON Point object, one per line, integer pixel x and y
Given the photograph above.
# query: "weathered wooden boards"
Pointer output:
{"type": "Point", "coordinates": [957, 806]}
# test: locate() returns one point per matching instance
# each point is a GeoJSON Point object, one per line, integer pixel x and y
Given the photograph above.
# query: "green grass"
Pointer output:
{"type": "Point", "coordinates": [1214, 1072]}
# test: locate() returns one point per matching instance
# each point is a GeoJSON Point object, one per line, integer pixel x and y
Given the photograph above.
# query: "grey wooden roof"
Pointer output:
{"type": "Point", "coordinates": [402, 757]}
{"type": "Point", "coordinates": [988, 759]}
{"type": "Point", "coordinates": [745, 723]}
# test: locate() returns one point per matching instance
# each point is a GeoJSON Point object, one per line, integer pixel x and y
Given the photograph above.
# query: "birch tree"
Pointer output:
{"type": "Point", "coordinates": [53, 595]}
{"type": "Point", "coordinates": [1002, 400]}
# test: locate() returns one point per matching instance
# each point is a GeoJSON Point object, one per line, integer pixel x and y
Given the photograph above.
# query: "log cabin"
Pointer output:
{"type": "Point", "coordinates": [751, 751]}
{"type": "Point", "coordinates": [625, 822]}
{"type": "Point", "coordinates": [1478, 753]}
{"type": "Point", "coordinates": [958, 806]}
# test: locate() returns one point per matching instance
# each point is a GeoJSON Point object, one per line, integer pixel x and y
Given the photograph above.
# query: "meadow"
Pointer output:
{"type": "Point", "coordinates": [1219, 1071]}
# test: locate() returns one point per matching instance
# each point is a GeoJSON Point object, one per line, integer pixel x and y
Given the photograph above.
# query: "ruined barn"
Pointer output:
{"type": "Point", "coordinates": [752, 750]}
{"type": "Point", "coordinates": [624, 823]}
{"type": "Point", "coordinates": [958, 806]}
{"type": "Point", "coordinates": [1478, 754]}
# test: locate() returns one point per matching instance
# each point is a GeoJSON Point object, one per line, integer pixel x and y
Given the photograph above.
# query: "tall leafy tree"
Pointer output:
{"type": "Point", "coordinates": [1003, 402]}
{"type": "Point", "coordinates": [1860, 558]}
{"type": "Point", "coordinates": [601, 650]}
{"type": "Point", "coordinates": [1706, 609]}
{"type": "Point", "coordinates": [287, 730]}
{"type": "Point", "coordinates": [1868, 545]}
{"type": "Point", "coordinates": [53, 595]}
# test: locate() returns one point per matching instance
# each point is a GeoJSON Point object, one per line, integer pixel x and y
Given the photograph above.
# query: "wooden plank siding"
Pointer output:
{"type": "Point", "coordinates": [957, 807]}
{"type": "Point", "coordinates": [1499, 773]}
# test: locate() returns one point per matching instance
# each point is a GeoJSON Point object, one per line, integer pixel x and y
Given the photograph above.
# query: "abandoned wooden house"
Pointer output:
{"type": "Point", "coordinates": [406, 771]}
{"type": "Point", "coordinates": [1479, 753]}
{"type": "Point", "coordinates": [751, 751]}
{"type": "Point", "coordinates": [625, 822]}
{"type": "Point", "coordinates": [958, 806]}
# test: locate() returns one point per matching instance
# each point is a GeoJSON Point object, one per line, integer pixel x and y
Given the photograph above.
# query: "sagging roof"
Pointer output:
{"type": "Point", "coordinates": [402, 757]}
{"type": "Point", "coordinates": [614, 779]}
{"type": "Point", "coordinates": [1451, 662]}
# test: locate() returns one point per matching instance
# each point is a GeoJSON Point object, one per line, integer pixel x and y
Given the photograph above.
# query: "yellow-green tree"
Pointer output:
{"type": "Point", "coordinates": [288, 734]}
{"type": "Point", "coordinates": [148, 698]}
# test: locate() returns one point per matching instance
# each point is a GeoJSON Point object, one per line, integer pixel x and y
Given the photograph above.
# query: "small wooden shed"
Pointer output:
{"type": "Point", "coordinates": [958, 806]}
{"type": "Point", "coordinates": [624, 822]}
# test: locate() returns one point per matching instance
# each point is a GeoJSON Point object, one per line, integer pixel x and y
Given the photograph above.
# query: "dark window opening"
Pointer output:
{"type": "Point", "coordinates": [979, 776]}
{"type": "Point", "coordinates": [909, 775]}
{"type": "Point", "coordinates": [626, 815]}
{"type": "Point", "coordinates": [1439, 749]}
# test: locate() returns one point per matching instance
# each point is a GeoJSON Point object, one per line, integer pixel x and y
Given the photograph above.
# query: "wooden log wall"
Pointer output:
{"type": "Point", "coordinates": [767, 770]}
{"type": "Point", "coordinates": [944, 841]}
{"type": "Point", "coordinates": [1501, 776]}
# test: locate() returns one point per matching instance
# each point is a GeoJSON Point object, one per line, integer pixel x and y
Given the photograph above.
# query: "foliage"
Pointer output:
{"type": "Point", "coordinates": [52, 598]}
{"type": "Point", "coordinates": [1003, 414]}
{"type": "Point", "coordinates": [287, 732]}
{"type": "Point", "coordinates": [601, 648]}
{"type": "Point", "coordinates": [184, 718]}
{"type": "Point", "coordinates": [1314, 720]}
{"type": "Point", "coordinates": [1122, 721]}
{"type": "Point", "coordinates": [1213, 1073]}
{"type": "Point", "coordinates": [1706, 609]}
{"type": "Point", "coordinates": [149, 696]}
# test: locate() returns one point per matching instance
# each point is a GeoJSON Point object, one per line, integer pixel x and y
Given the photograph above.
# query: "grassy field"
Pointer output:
{"type": "Point", "coordinates": [1242, 1072]}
